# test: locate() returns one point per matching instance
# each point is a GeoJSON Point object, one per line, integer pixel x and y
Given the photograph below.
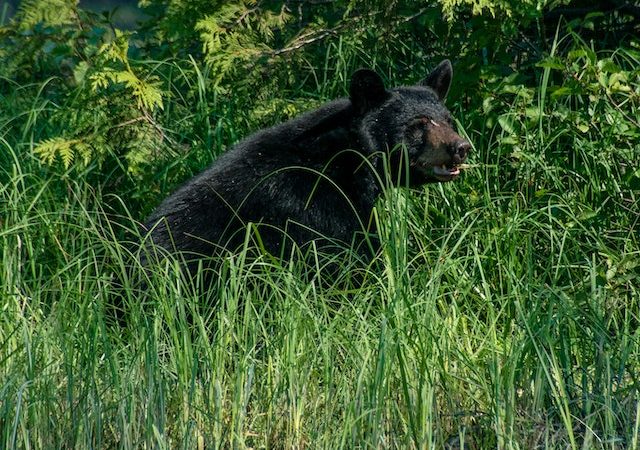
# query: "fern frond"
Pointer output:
{"type": "Point", "coordinates": [50, 149]}
{"type": "Point", "coordinates": [148, 94]}
{"type": "Point", "coordinates": [238, 33]}
{"type": "Point", "coordinates": [49, 12]}
{"type": "Point", "coordinates": [117, 49]}
{"type": "Point", "coordinates": [478, 7]}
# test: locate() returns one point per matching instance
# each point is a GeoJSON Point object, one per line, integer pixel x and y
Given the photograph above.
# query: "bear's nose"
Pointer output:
{"type": "Point", "coordinates": [460, 149]}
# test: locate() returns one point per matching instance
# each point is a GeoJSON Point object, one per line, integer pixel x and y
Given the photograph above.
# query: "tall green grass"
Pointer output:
{"type": "Point", "coordinates": [502, 312]}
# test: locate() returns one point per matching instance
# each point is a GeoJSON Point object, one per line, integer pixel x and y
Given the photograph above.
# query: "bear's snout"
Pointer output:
{"type": "Point", "coordinates": [458, 150]}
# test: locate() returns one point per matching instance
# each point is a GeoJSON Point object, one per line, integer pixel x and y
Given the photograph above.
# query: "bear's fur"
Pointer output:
{"type": "Point", "coordinates": [316, 177]}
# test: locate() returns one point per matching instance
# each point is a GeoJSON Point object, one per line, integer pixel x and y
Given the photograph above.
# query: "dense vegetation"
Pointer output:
{"type": "Point", "coordinates": [502, 312]}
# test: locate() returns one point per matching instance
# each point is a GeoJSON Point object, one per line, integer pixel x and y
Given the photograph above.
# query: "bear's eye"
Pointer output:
{"type": "Point", "coordinates": [450, 121]}
{"type": "Point", "coordinates": [416, 130]}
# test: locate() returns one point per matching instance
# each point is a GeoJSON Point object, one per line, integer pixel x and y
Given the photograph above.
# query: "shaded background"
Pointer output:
{"type": "Point", "coordinates": [126, 13]}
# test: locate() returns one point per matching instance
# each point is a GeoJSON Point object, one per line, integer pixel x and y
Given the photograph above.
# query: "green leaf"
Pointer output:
{"type": "Point", "coordinates": [561, 92]}
{"type": "Point", "coordinates": [80, 71]}
{"type": "Point", "coordinates": [552, 62]}
{"type": "Point", "coordinates": [607, 65]}
{"type": "Point", "coordinates": [506, 121]}
{"type": "Point", "coordinates": [49, 150]}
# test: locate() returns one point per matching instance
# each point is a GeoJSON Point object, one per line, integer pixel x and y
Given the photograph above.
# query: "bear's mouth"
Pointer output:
{"type": "Point", "coordinates": [444, 173]}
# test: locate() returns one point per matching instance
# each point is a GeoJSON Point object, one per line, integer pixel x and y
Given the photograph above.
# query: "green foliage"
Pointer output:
{"type": "Point", "coordinates": [496, 8]}
{"type": "Point", "coordinates": [32, 13]}
{"type": "Point", "coordinates": [237, 35]}
{"type": "Point", "coordinates": [99, 108]}
{"type": "Point", "coordinates": [116, 93]}
{"type": "Point", "coordinates": [502, 312]}
{"type": "Point", "coordinates": [147, 93]}
{"type": "Point", "coordinates": [594, 97]}
{"type": "Point", "coordinates": [49, 149]}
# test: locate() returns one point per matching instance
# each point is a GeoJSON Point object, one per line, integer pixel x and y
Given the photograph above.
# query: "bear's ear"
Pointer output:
{"type": "Point", "coordinates": [440, 79]}
{"type": "Point", "coordinates": [367, 90]}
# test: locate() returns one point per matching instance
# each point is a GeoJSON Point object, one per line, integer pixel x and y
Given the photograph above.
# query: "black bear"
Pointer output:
{"type": "Point", "coordinates": [317, 177]}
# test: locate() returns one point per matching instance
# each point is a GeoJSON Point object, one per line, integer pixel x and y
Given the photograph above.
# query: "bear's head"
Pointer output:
{"type": "Point", "coordinates": [411, 121]}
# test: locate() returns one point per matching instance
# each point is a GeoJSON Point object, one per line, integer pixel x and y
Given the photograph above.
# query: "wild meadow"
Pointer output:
{"type": "Point", "coordinates": [503, 310]}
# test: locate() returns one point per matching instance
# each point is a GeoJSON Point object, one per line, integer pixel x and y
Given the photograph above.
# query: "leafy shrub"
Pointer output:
{"type": "Point", "coordinates": [138, 110]}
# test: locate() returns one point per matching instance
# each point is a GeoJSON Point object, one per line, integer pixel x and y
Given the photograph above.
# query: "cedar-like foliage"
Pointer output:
{"type": "Point", "coordinates": [51, 12]}
{"type": "Point", "coordinates": [198, 74]}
